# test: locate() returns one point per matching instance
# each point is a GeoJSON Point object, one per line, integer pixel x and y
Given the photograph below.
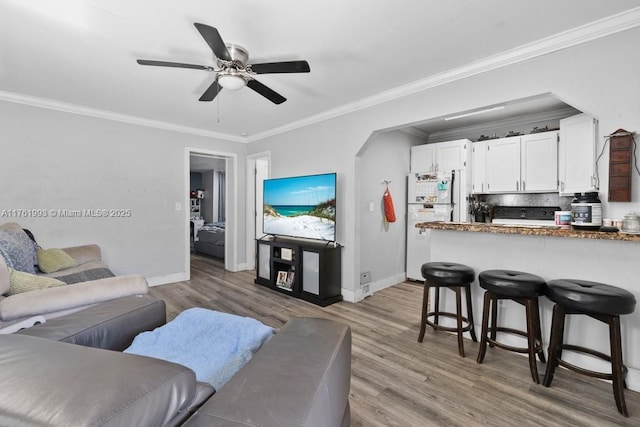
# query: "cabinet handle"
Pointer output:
{"type": "Point", "coordinates": [482, 187]}
{"type": "Point", "coordinates": [562, 186]}
{"type": "Point", "coordinates": [517, 186]}
{"type": "Point", "coordinates": [523, 186]}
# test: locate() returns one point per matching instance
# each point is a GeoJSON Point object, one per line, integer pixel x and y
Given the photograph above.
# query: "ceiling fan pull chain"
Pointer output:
{"type": "Point", "coordinates": [218, 110]}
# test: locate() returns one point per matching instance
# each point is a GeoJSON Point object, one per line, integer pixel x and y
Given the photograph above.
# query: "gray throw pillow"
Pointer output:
{"type": "Point", "coordinates": [17, 249]}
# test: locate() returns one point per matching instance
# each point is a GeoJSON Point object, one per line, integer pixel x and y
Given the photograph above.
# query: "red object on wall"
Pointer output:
{"type": "Point", "coordinates": [389, 211]}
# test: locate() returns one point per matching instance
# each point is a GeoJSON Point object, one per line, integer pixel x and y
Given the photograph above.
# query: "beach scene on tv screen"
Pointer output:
{"type": "Point", "coordinates": [301, 207]}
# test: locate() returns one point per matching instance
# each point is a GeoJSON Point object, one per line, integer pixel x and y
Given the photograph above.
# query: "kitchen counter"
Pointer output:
{"type": "Point", "coordinates": [529, 230]}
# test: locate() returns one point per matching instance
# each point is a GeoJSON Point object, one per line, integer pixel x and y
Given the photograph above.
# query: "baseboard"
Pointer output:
{"type": "Point", "coordinates": [168, 278]}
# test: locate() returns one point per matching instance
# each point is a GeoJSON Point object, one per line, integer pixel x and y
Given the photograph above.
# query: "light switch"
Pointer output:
{"type": "Point", "coordinates": [371, 207]}
{"type": "Point", "coordinates": [178, 206]}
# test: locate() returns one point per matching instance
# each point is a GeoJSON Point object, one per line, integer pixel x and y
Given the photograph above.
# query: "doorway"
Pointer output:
{"type": "Point", "coordinates": [211, 206]}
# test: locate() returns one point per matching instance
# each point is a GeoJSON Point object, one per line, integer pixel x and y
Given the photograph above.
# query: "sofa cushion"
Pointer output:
{"type": "Point", "coordinates": [4, 276]}
{"type": "Point", "coordinates": [301, 377]}
{"type": "Point", "coordinates": [61, 298]}
{"type": "Point", "coordinates": [111, 325]}
{"type": "Point", "coordinates": [19, 282]}
{"type": "Point", "coordinates": [54, 259]}
{"type": "Point", "coordinates": [17, 249]}
{"type": "Point", "coordinates": [54, 383]}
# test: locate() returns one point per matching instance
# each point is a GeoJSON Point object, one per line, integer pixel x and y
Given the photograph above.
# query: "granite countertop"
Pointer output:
{"type": "Point", "coordinates": [531, 230]}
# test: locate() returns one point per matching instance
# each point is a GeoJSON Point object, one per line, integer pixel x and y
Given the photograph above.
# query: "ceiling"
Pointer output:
{"type": "Point", "coordinates": [81, 54]}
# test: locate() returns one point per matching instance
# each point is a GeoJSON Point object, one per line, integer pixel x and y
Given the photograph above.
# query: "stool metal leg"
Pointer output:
{"type": "Point", "coordinates": [472, 330]}
{"type": "Point", "coordinates": [485, 326]}
{"type": "Point", "coordinates": [532, 337]}
{"type": "Point", "coordinates": [425, 309]}
{"type": "Point", "coordinates": [538, 332]}
{"type": "Point", "coordinates": [436, 305]}
{"type": "Point", "coordinates": [458, 290]}
{"type": "Point", "coordinates": [555, 344]}
{"type": "Point", "coordinates": [617, 369]}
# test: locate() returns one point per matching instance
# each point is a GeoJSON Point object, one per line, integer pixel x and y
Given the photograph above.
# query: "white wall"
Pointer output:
{"type": "Point", "coordinates": [386, 156]}
{"type": "Point", "coordinates": [57, 160]}
{"type": "Point", "coordinates": [598, 77]}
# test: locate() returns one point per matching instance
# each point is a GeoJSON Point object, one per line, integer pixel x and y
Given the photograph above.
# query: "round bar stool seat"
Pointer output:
{"type": "Point", "coordinates": [523, 288]}
{"type": "Point", "coordinates": [602, 302]}
{"type": "Point", "coordinates": [455, 277]}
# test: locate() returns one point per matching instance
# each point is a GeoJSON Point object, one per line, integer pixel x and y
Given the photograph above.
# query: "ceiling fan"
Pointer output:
{"type": "Point", "coordinates": [233, 72]}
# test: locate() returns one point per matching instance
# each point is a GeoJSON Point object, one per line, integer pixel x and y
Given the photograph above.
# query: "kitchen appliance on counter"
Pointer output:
{"type": "Point", "coordinates": [525, 215]}
{"type": "Point", "coordinates": [586, 210]}
{"type": "Point", "coordinates": [431, 196]}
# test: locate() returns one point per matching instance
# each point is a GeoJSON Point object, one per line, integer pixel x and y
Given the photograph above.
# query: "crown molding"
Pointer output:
{"type": "Point", "coordinates": [110, 115]}
{"type": "Point", "coordinates": [601, 28]}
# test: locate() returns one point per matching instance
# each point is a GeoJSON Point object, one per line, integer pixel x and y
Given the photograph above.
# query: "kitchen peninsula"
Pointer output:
{"type": "Point", "coordinates": [551, 253]}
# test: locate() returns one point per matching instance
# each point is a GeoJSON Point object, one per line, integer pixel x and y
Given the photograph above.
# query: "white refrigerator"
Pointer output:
{"type": "Point", "coordinates": [431, 196]}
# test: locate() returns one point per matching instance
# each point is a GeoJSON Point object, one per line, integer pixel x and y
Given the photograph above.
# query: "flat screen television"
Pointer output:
{"type": "Point", "coordinates": [300, 206]}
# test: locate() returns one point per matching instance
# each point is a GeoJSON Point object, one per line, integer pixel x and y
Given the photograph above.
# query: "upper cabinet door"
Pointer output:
{"type": "Point", "coordinates": [503, 165]}
{"type": "Point", "coordinates": [539, 171]}
{"type": "Point", "coordinates": [451, 155]}
{"type": "Point", "coordinates": [423, 158]}
{"type": "Point", "coordinates": [479, 167]}
{"type": "Point", "coordinates": [577, 155]}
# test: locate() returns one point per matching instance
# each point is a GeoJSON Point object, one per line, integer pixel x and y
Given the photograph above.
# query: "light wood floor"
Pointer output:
{"type": "Point", "coordinates": [397, 381]}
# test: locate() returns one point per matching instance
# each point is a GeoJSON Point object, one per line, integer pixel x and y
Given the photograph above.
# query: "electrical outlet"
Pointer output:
{"type": "Point", "coordinates": [365, 277]}
{"type": "Point", "coordinates": [365, 290]}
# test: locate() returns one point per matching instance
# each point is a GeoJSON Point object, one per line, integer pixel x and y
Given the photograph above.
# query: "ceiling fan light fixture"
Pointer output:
{"type": "Point", "coordinates": [232, 81]}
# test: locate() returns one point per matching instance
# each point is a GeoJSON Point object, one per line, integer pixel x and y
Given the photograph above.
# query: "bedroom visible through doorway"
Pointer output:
{"type": "Point", "coordinates": [207, 208]}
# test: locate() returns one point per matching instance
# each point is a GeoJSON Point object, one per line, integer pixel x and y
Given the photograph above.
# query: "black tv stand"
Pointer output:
{"type": "Point", "coordinates": [307, 270]}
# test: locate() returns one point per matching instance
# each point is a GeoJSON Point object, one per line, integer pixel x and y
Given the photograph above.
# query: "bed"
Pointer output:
{"type": "Point", "coordinates": [211, 240]}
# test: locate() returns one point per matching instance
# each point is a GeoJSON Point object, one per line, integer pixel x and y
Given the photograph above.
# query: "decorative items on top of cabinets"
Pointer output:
{"type": "Point", "coordinates": [577, 155]}
{"type": "Point", "coordinates": [525, 163]}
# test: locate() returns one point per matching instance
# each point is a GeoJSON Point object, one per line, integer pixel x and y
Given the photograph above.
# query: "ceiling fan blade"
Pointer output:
{"type": "Point", "coordinates": [281, 67]}
{"type": "Point", "coordinates": [263, 90]}
{"type": "Point", "coordinates": [213, 39]}
{"type": "Point", "coordinates": [211, 91]}
{"type": "Point", "coordinates": [172, 64]}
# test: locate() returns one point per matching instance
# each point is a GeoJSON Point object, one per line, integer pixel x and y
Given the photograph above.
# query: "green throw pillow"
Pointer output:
{"type": "Point", "coordinates": [51, 260]}
{"type": "Point", "coordinates": [20, 281]}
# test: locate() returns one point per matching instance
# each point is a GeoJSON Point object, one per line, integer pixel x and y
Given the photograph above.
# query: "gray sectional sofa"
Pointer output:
{"type": "Point", "coordinates": [53, 375]}
{"type": "Point", "coordinates": [66, 367]}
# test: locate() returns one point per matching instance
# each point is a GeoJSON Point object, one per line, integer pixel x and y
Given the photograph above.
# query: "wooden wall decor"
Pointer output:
{"type": "Point", "coordinates": [620, 165]}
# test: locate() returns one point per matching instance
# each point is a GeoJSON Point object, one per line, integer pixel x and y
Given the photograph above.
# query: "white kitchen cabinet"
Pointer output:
{"type": "Point", "coordinates": [423, 158]}
{"type": "Point", "coordinates": [539, 162]}
{"type": "Point", "coordinates": [479, 167]}
{"type": "Point", "coordinates": [517, 164]}
{"type": "Point", "coordinates": [440, 156]}
{"type": "Point", "coordinates": [503, 165]}
{"type": "Point", "coordinates": [577, 155]}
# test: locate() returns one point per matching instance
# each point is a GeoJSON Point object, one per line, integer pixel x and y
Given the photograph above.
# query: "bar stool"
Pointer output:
{"type": "Point", "coordinates": [455, 277]}
{"type": "Point", "coordinates": [602, 302]}
{"type": "Point", "coordinates": [523, 288]}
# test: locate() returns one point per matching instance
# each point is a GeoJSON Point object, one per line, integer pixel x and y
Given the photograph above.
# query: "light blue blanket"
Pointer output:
{"type": "Point", "coordinates": [214, 345]}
